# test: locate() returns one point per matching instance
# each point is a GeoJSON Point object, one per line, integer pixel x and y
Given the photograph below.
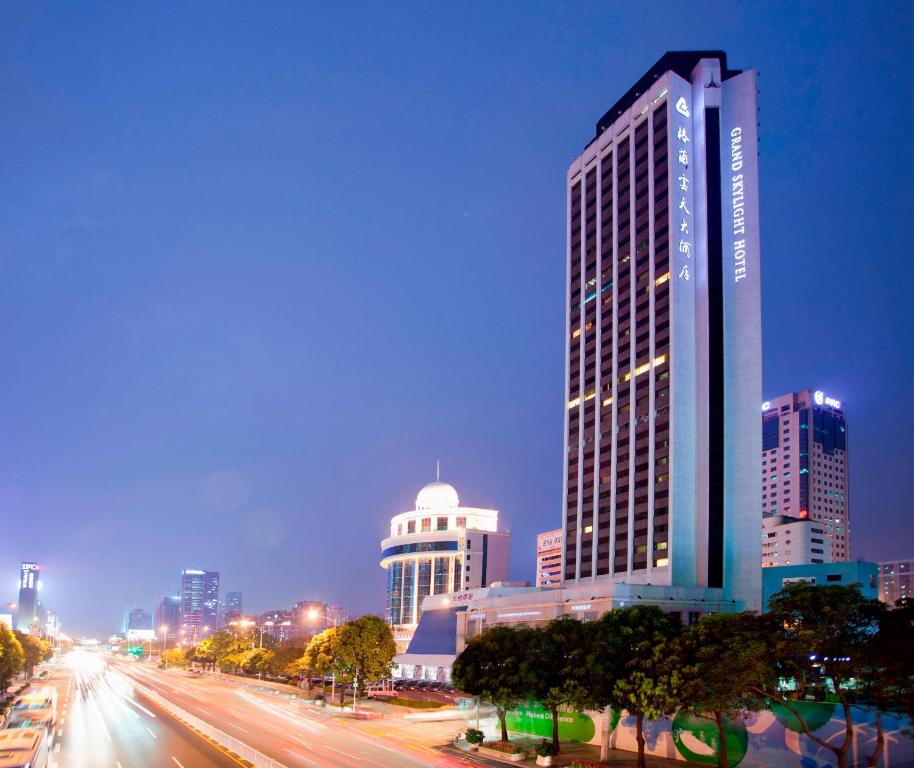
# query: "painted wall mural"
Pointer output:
{"type": "Point", "coordinates": [769, 739]}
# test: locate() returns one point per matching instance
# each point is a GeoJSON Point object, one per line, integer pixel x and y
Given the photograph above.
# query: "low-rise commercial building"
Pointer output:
{"type": "Point", "coordinates": [449, 621]}
{"type": "Point", "coordinates": [866, 575]}
{"type": "Point", "coordinates": [794, 541]}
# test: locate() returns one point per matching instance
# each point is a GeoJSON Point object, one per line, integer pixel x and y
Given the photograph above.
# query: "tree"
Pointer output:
{"type": "Point", "coordinates": [174, 657]}
{"type": "Point", "coordinates": [12, 657]}
{"type": "Point", "coordinates": [555, 668]}
{"type": "Point", "coordinates": [645, 687]}
{"type": "Point", "coordinates": [887, 676]}
{"type": "Point", "coordinates": [493, 665]}
{"type": "Point", "coordinates": [33, 651]}
{"type": "Point", "coordinates": [720, 662]}
{"type": "Point", "coordinates": [283, 657]}
{"type": "Point", "coordinates": [824, 638]}
{"type": "Point", "coordinates": [365, 650]}
{"type": "Point", "coordinates": [318, 657]}
{"type": "Point", "coordinates": [604, 666]}
{"type": "Point", "coordinates": [249, 660]}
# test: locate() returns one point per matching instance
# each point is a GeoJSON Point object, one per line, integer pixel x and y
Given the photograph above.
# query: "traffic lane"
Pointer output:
{"type": "Point", "coordinates": [286, 730]}
{"type": "Point", "coordinates": [104, 724]}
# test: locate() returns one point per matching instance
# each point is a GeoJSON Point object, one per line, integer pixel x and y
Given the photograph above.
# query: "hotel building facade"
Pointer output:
{"type": "Point", "coordinates": [804, 463]}
{"type": "Point", "coordinates": [663, 353]}
{"type": "Point", "coordinates": [438, 548]}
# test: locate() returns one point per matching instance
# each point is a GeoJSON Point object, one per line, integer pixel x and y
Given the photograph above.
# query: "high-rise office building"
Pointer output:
{"type": "Point", "coordinates": [277, 624]}
{"type": "Point", "coordinates": [168, 614]}
{"type": "Point", "coordinates": [549, 559]}
{"type": "Point", "coordinates": [896, 581]}
{"type": "Point", "coordinates": [28, 612]}
{"type": "Point", "coordinates": [663, 354]}
{"type": "Point", "coordinates": [337, 614]}
{"type": "Point", "coordinates": [137, 618]}
{"type": "Point", "coordinates": [232, 608]}
{"type": "Point", "coordinates": [804, 463]}
{"type": "Point", "coordinates": [199, 602]}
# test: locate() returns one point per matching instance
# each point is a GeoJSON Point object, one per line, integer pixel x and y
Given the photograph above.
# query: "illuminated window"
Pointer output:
{"type": "Point", "coordinates": [588, 529]}
{"type": "Point", "coordinates": [662, 561]}
{"type": "Point", "coordinates": [461, 522]}
{"type": "Point", "coordinates": [426, 524]}
{"type": "Point", "coordinates": [662, 279]}
{"type": "Point", "coordinates": [608, 401]}
{"type": "Point", "coordinates": [574, 403]}
{"type": "Point", "coordinates": [577, 332]}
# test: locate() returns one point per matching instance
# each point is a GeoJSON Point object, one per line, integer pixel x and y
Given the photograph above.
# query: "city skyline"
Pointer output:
{"type": "Point", "coordinates": [193, 403]}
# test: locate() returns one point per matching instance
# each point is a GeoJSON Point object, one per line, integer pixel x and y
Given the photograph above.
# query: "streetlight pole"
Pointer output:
{"type": "Point", "coordinates": [164, 629]}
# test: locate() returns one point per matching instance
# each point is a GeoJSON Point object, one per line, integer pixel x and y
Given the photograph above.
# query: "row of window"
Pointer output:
{"type": "Point", "coordinates": [441, 524]}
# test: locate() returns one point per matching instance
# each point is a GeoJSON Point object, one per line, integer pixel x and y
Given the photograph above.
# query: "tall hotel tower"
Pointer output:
{"type": "Point", "coordinates": [663, 439]}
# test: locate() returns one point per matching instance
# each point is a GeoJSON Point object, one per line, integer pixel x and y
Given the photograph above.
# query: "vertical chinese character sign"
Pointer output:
{"type": "Point", "coordinates": [684, 225]}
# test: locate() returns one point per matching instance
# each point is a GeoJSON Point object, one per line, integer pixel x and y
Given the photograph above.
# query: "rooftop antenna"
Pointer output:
{"type": "Point", "coordinates": [438, 470]}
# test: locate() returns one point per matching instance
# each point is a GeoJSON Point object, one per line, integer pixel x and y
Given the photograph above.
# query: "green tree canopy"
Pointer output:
{"type": "Point", "coordinates": [719, 662]}
{"type": "Point", "coordinates": [824, 634]}
{"type": "Point", "coordinates": [886, 679]}
{"type": "Point", "coordinates": [645, 686]}
{"type": "Point", "coordinates": [33, 651]}
{"type": "Point", "coordinates": [494, 665]}
{"type": "Point", "coordinates": [12, 657]}
{"type": "Point", "coordinates": [556, 668]}
{"type": "Point", "coordinates": [365, 649]}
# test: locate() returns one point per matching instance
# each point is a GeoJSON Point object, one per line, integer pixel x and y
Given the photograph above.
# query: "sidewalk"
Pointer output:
{"type": "Point", "coordinates": [571, 751]}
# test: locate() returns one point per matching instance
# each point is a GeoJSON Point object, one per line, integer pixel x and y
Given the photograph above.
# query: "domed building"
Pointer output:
{"type": "Point", "coordinates": [439, 547]}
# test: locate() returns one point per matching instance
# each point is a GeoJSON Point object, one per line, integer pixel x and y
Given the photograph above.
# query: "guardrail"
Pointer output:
{"type": "Point", "coordinates": [228, 741]}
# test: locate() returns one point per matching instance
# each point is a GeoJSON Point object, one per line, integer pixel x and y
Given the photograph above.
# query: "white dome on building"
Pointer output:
{"type": "Point", "coordinates": [437, 495]}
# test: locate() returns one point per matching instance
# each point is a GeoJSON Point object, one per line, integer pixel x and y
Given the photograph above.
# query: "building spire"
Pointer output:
{"type": "Point", "coordinates": [438, 470]}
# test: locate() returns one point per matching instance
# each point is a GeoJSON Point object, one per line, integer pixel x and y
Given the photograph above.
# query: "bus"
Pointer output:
{"type": "Point", "coordinates": [24, 747]}
{"type": "Point", "coordinates": [39, 700]}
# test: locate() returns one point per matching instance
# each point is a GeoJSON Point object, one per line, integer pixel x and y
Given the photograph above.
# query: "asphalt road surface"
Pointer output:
{"type": "Point", "coordinates": [103, 723]}
{"type": "Point", "coordinates": [292, 733]}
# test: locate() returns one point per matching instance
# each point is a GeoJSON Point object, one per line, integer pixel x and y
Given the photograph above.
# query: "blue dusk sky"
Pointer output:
{"type": "Point", "coordinates": [262, 264]}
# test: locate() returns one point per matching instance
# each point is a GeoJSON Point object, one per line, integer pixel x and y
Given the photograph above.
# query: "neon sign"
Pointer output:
{"type": "Point", "coordinates": [822, 399]}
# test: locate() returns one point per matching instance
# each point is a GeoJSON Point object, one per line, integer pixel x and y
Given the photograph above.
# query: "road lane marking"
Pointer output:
{"type": "Point", "coordinates": [151, 733]}
{"type": "Point", "coordinates": [118, 764]}
{"type": "Point", "coordinates": [57, 747]}
{"type": "Point", "coordinates": [59, 732]}
{"type": "Point", "coordinates": [340, 751]}
{"type": "Point", "coordinates": [300, 756]}
{"type": "Point", "coordinates": [178, 762]}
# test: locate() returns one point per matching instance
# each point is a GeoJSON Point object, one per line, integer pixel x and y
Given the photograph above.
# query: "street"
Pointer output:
{"type": "Point", "coordinates": [298, 735]}
{"type": "Point", "coordinates": [102, 722]}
